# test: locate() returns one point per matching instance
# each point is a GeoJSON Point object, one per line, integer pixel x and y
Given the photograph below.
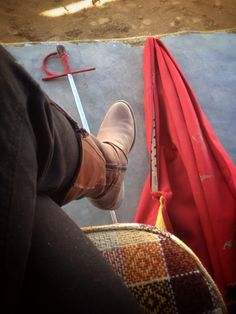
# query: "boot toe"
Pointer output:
{"type": "Point", "coordinates": [118, 126]}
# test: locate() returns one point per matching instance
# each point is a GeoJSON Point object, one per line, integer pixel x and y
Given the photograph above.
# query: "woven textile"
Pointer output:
{"type": "Point", "coordinates": [161, 271]}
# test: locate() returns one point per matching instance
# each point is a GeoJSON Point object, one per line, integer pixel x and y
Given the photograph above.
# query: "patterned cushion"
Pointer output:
{"type": "Point", "coordinates": [160, 270]}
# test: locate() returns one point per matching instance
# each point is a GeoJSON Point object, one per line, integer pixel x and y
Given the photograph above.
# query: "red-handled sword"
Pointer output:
{"type": "Point", "coordinates": [61, 52]}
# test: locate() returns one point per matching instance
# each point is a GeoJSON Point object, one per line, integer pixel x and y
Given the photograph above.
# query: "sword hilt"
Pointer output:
{"type": "Point", "coordinates": [62, 54]}
{"type": "Point", "coordinates": [61, 50]}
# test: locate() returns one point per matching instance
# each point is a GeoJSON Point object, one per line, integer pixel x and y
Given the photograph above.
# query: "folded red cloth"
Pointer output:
{"type": "Point", "coordinates": [196, 179]}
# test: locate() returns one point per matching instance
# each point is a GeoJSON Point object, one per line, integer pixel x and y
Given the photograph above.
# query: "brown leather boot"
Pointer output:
{"type": "Point", "coordinates": [104, 159]}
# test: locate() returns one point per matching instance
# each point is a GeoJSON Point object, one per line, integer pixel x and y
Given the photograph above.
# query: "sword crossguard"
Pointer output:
{"type": "Point", "coordinates": [62, 54]}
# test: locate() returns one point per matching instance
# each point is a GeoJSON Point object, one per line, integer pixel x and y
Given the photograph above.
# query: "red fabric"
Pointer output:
{"type": "Point", "coordinates": [196, 177]}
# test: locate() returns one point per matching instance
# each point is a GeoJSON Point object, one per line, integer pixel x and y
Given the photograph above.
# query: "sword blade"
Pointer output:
{"type": "Point", "coordinates": [78, 103]}
{"type": "Point", "coordinates": [85, 124]}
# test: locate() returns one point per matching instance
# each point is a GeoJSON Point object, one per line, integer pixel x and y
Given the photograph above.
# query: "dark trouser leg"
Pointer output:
{"type": "Point", "coordinates": [35, 139]}
{"type": "Point", "coordinates": [39, 154]}
{"type": "Point", "coordinates": [65, 273]}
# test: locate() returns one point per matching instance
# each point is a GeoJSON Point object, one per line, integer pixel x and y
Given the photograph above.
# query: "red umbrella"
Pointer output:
{"type": "Point", "coordinates": [191, 189]}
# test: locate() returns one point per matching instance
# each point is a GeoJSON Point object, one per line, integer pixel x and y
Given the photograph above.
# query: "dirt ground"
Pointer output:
{"type": "Point", "coordinates": [24, 21]}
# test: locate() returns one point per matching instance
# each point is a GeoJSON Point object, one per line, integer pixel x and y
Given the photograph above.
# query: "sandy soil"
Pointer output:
{"type": "Point", "coordinates": [22, 20]}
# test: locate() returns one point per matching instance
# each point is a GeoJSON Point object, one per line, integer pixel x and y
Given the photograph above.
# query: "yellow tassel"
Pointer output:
{"type": "Point", "coordinates": [160, 224]}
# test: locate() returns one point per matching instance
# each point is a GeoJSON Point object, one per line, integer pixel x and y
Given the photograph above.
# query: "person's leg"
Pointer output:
{"type": "Point", "coordinates": [40, 153]}
{"type": "Point", "coordinates": [30, 143]}
{"type": "Point", "coordinates": [65, 273]}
